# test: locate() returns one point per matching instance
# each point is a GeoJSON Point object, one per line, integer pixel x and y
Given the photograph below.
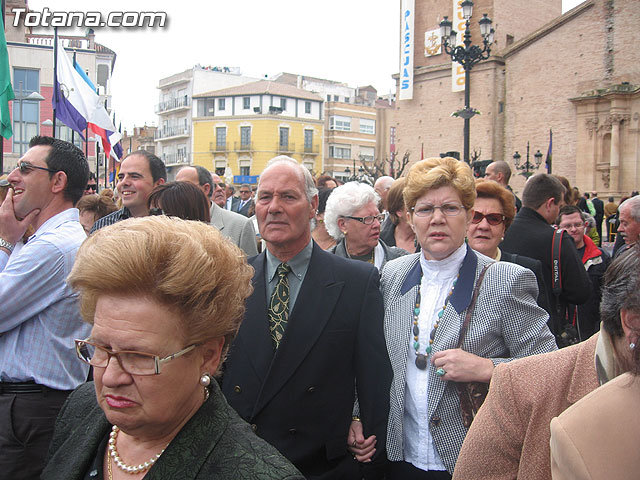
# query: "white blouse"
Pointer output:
{"type": "Point", "coordinates": [437, 279]}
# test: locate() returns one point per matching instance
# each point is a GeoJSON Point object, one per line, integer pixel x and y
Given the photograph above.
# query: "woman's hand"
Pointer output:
{"type": "Point", "coordinates": [361, 448]}
{"type": "Point", "coordinates": [461, 366]}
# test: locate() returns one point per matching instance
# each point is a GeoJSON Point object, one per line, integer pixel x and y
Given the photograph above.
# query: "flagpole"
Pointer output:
{"type": "Point", "coordinates": [73, 132]}
{"type": "Point", "coordinates": [2, 138]}
{"type": "Point", "coordinates": [56, 92]}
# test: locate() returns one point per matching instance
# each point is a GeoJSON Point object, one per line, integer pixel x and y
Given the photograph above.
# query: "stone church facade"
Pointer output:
{"type": "Point", "coordinates": [576, 74]}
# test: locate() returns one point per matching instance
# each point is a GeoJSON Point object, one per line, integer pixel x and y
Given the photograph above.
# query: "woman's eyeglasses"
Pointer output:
{"type": "Point", "coordinates": [492, 218]}
{"type": "Point", "coordinates": [368, 220]}
{"type": "Point", "coordinates": [134, 363]}
{"type": "Point", "coordinates": [448, 209]}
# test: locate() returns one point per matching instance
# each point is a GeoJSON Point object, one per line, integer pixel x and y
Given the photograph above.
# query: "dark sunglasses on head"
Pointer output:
{"type": "Point", "coordinates": [493, 218]}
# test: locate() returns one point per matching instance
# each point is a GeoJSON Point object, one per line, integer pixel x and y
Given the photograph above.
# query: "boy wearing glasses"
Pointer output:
{"type": "Point", "coordinates": [39, 317]}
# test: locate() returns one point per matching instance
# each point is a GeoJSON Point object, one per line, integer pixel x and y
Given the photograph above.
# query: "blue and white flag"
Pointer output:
{"type": "Point", "coordinates": [78, 105]}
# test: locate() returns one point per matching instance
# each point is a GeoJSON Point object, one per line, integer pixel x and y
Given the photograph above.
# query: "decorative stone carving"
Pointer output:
{"type": "Point", "coordinates": [592, 125]}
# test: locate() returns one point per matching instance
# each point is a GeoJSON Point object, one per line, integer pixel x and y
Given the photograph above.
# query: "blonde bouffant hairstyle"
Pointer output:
{"type": "Point", "coordinates": [433, 173]}
{"type": "Point", "coordinates": [187, 266]}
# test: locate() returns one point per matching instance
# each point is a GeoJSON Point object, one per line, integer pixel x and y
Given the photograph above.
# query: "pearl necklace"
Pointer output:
{"type": "Point", "coordinates": [421, 358]}
{"type": "Point", "coordinates": [113, 452]}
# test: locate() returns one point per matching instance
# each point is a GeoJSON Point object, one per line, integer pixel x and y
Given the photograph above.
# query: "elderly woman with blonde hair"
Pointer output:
{"type": "Point", "coordinates": [163, 315]}
{"type": "Point", "coordinates": [451, 315]}
{"type": "Point", "coordinates": [353, 219]}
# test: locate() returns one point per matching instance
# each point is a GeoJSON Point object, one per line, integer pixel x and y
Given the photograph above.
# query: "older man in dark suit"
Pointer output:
{"type": "Point", "coordinates": [309, 368]}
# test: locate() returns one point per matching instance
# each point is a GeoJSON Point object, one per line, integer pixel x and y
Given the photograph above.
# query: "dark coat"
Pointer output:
{"type": "Point", "coordinates": [301, 398]}
{"type": "Point", "coordinates": [245, 209]}
{"type": "Point", "coordinates": [530, 235]}
{"type": "Point", "coordinates": [388, 234]}
{"type": "Point", "coordinates": [214, 443]}
{"type": "Point", "coordinates": [536, 267]}
{"type": "Point", "coordinates": [390, 253]}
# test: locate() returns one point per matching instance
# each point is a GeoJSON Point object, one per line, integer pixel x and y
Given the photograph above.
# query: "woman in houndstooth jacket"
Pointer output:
{"type": "Point", "coordinates": [426, 297]}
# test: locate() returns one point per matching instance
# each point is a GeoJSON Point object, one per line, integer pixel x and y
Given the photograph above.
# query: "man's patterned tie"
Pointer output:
{"type": "Point", "coordinates": [279, 305]}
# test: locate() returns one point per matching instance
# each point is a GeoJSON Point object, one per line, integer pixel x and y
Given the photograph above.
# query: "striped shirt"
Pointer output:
{"type": "Point", "coordinates": [39, 317]}
{"type": "Point", "coordinates": [112, 218]}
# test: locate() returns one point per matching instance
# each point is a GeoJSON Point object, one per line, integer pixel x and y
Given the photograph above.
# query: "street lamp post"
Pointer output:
{"type": "Point", "coordinates": [467, 56]}
{"type": "Point", "coordinates": [21, 97]}
{"type": "Point", "coordinates": [354, 177]}
{"type": "Point", "coordinates": [528, 167]}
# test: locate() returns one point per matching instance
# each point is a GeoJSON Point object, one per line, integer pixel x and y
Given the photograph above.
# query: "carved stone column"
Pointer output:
{"type": "Point", "coordinates": [614, 157]}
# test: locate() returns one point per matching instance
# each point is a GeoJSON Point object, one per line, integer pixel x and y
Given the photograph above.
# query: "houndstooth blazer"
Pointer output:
{"type": "Point", "coordinates": [507, 323]}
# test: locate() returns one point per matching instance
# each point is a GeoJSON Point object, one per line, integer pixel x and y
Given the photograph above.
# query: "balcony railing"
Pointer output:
{"type": "Point", "coordinates": [173, 104]}
{"type": "Point", "coordinates": [286, 148]}
{"type": "Point", "coordinates": [243, 146]}
{"type": "Point", "coordinates": [312, 149]}
{"type": "Point", "coordinates": [175, 159]}
{"type": "Point", "coordinates": [217, 147]}
{"type": "Point", "coordinates": [166, 132]}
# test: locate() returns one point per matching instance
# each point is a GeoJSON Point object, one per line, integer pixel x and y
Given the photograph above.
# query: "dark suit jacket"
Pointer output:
{"type": "Point", "coordinates": [536, 267]}
{"type": "Point", "coordinates": [234, 204]}
{"type": "Point", "coordinates": [390, 253]}
{"type": "Point", "coordinates": [532, 236]}
{"type": "Point", "coordinates": [301, 398]}
{"type": "Point", "coordinates": [245, 209]}
{"type": "Point", "coordinates": [214, 443]}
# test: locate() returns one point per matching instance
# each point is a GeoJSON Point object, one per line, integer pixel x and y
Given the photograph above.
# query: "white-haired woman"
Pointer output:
{"type": "Point", "coordinates": [353, 219]}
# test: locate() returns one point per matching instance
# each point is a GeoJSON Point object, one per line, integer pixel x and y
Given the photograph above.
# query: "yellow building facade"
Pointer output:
{"type": "Point", "coordinates": [237, 130]}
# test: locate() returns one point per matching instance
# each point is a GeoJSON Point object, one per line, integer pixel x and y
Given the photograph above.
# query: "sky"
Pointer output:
{"type": "Point", "coordinates": [352, 41]}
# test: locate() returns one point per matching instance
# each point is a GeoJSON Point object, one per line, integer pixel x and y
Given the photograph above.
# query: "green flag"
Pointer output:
{"type": "Point", "coordinates": [6, 90]}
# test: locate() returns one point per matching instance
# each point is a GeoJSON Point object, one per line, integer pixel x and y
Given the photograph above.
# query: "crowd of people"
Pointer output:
{"type": "Point", "coordinates": [434, 326]}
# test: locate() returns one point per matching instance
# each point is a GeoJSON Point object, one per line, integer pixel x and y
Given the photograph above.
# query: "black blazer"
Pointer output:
{"type": "Point", "coordinates": [245, 209]}
{"type": "Point", "coordinates": [536, 267]}
{"type": "Point", "coordinates": [214, 443]}
{"type": "Point", "coordinates": [530, 235]}
{"type": "Point", "coordinates": [301, 399]}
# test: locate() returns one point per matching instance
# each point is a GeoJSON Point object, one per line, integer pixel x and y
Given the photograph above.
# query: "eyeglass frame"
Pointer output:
{"type": "Point", "coordinates": [573, 225]}
{"type": "Point", "coordinates": [24, 167]}
{"type": "Point", "coordinates": [92, 186]}
{"type": "Point", "coordinates": [363, 220]}
{"type": "Point", "coordinates": [483, 216]}
{"type": "Point", "coordinates": [434, 207]}
{"type": "Point", "coordinates": [156, 359]}
{"type": "Point", "coordinates": [155, 211]}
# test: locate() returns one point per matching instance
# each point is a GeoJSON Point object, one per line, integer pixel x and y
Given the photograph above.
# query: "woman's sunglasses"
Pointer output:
{"type": "Point", "coordinates": [493, 218]}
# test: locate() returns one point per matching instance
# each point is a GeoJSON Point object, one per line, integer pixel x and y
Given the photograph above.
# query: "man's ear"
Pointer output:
{"type": "Point", "coordinates": [160, 181]}
{"type": "Point", "coordinates": [207, 189]}
{"type": "Point", "coordinates": [59, 182]}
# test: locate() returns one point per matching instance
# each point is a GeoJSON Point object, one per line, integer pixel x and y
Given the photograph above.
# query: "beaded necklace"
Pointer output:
{"type": "Point", "coordinates": [421, 358]}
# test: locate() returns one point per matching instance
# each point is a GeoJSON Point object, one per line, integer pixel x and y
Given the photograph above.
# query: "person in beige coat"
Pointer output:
{"type": "Point", "coordinates": [509, 437]}
{"type": "Point", "coordinates": [598, 437]}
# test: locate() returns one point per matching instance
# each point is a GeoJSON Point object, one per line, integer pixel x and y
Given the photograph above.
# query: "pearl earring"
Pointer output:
{"type": "Point", "coordinates": [205, 380]}
{"type": "Point", "coordinates": [632, 346]}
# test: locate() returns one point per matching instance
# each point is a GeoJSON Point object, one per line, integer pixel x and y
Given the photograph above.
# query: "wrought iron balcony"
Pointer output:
{"type": "Point", "coordinates": [173, 104]}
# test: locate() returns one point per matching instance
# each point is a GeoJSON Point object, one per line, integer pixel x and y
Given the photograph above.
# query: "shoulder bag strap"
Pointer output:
{"type": "Point", "coordinates": [474, 298]}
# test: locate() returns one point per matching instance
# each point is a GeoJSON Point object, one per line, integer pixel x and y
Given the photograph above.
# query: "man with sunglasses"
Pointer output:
{"type": "Point", "coordinates": [532, 235]}
{"type": "Point", "coordinates": [39, 317]}
{"type": "Point", "coordinates": [92, 185]}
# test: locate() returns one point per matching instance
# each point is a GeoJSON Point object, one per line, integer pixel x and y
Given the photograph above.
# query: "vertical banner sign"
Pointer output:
{"type": "Point", "coordinates": [407, 32]}
{"type": "Point", "coordinates": [457, 72]}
